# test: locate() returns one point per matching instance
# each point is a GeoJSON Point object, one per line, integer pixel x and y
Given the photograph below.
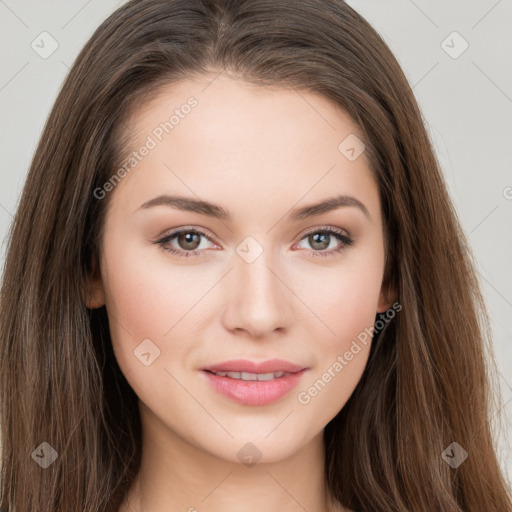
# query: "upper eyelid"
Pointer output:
{"type": "Point", "coordinates": [302, 234]}
{"type": "Point", "coordinates": [174, 232]}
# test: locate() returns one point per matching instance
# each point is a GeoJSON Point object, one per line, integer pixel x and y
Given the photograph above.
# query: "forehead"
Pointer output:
{"type": "Point", "coordinates": [223, 103]}
{"type": "Point", "coordinates": [245, 142]}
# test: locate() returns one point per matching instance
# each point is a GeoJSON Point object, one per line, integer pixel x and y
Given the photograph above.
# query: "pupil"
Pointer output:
{"type": "Point", "coordinates": [187, 239]}
{"type": "Point", "coordinates": [323, 244]}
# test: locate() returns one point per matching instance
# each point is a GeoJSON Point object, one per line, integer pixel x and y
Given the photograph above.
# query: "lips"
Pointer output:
{"type": "Point", "coordinates": [254, 383]}
{"type": "Point", "coordinates": [253, 393]}
{"type": "Point", "coordinates": [246, 366]}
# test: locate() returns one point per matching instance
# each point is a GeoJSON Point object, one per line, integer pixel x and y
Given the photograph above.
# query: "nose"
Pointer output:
{"type": "Point", "coordinates": [259, 299]}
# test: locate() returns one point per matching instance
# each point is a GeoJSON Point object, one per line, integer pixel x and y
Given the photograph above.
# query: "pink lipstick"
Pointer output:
{"type": "Point", "coordinates": [252, 383]}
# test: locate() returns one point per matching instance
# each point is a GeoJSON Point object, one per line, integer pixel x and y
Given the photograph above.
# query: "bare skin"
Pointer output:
{"type": "Point", "coordinates": [259, 153]}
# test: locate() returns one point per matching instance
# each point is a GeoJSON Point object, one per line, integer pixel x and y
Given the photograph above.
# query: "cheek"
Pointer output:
{"type": "Point", "coordinates": [348, 314]}
{"type": "Point", "coordinates": [149, 298]}
{"type": "Point", "coordinates": [345, 301]}
{"type": "Point", "coordinates": [145, 293]}
{"type": "Point", "coordinates": [344, 296]}
{"type": "Point", "coordinates": [139, 304]}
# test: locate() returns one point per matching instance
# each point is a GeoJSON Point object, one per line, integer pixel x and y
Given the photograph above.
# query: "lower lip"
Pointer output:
{"type": "Point", "coordinates": [254, 392]}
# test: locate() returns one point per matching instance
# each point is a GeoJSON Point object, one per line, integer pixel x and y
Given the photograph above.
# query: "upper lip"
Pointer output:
{"type": "Point", "coordinates": [244, 365]}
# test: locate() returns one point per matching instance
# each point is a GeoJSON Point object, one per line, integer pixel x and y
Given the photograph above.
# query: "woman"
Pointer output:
{"type": "Point", "coordinates": [235, 279]}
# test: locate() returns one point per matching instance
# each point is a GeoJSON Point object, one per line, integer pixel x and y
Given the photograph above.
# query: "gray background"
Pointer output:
{"type": "Point", "coordinates": [466, 100]}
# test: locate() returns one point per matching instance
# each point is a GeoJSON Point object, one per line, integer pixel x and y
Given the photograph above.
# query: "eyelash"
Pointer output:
{"type": "Point", "coordinates": [338, 234]}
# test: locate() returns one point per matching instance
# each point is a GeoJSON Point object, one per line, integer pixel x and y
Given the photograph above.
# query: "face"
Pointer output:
{"type": "Point", "coordinates": [256, 277]}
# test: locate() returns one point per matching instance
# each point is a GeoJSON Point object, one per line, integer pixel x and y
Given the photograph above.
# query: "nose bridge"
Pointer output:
{"type": "Point", "coordinates": [259, 302]}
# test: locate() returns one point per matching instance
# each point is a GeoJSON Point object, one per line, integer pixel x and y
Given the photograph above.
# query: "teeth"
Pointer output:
{"type": "Point", "coordinates": [250, 376]}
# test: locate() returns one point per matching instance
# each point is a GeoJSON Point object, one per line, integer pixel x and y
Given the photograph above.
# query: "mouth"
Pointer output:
{"type": "Point", "coordinates": [255, 389]}
{"type": "Point", "coordinates": [247, 376]}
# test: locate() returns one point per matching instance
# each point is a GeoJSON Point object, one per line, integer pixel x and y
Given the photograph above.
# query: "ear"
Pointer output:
{"type": "Point", "coordinates": [387, 297]}
{"type": "Point", "coordinates": [93, 293]}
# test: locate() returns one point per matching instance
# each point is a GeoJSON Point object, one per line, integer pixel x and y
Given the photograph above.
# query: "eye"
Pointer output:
{"type": "Point", "coordinates": [188, 242]}
{"type": "Point", "coordinates": [322, 239]}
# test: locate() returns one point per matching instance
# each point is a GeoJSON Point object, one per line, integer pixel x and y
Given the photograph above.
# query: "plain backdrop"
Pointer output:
{"type": "Point", "coordinates": [456, 55]}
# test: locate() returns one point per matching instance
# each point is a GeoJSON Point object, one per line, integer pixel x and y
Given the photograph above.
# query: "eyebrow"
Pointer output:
{"type": "Point", "coordinates": [189, 204]}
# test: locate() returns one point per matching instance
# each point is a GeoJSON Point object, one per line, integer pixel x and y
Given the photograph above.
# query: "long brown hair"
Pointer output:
{"type": "Point", "coordinates": [430, 379]}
